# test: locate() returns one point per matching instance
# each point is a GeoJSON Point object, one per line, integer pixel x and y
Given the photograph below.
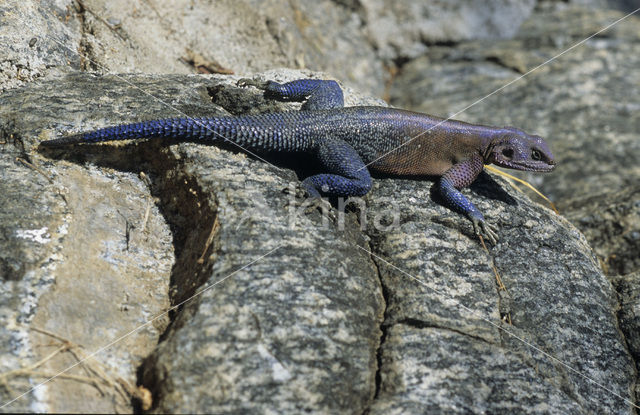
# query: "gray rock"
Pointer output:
{"type": "Point", "coordinates": [98, 217]}
{"type": "Point", "coordinates": [323, 35]}
{"type": "Point", "coordinates": [404, 29]}
{"type": "Point", "coordinates": [622, 5]}
{"type": "Point", "coordinates": [611, 224]}
{"type": "Point", "coordinates": [435, 370]}
{"type": "Point", "coordinates": [331, 319]}
{"type": "Point", "coordinates": [584, 102]}
{"type": "Point", "coordinates": [539, 259]}
{"type": "Point", "coordinates": [628, 288]}
{"type": "Point", "coordinates": [33, 37]}
{"type": "Point", "coordinates": [309, 317]}
{"type": "Point", "coordinates": [294, 332]}
{"type": "Point", "coordinates": [86, 256]}
{"type": "Point", "coordinates": [238, 36]}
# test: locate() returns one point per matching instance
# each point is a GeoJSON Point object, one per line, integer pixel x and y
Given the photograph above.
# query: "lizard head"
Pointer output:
{"type": "Point", "coordinates": [518, 150]}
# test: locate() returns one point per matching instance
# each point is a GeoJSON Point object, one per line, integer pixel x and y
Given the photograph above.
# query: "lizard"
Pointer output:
{"type": "Point", "coordinates": [351, 142]}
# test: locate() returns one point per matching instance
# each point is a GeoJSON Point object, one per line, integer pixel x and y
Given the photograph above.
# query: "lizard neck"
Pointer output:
{"type": "Point", "coordinates": [487, 135]}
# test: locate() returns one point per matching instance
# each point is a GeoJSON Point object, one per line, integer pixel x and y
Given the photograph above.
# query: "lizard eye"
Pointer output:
{"type": "Point", "coordinates": [535, 154]}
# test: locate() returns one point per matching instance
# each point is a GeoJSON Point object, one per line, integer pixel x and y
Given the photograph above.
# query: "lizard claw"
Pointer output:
{"type": "Point", "coordinates": [481, 227]}
{"type": "Point", "coordinates": [309, 203]}
{"type": "Point", "coordinates": [323, 206]}
{"type": "Point", "coordinates": [245, 82]}
{"type": "Point", "coordinates": [297, 191]}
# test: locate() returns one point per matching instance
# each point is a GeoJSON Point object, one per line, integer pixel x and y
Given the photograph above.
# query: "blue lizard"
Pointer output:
{"type": "Point", "coordinates": [349, 142]}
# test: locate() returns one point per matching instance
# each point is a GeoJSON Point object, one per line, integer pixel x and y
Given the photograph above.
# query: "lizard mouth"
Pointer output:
{"type": "Point", "coordinates": [537, 166]}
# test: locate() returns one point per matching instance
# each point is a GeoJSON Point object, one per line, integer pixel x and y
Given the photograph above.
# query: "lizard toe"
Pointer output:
{"type": "Point", "coordinates": [323, 206]}
{"type": "Point", "coordinates": [306, 201]}
{"type": "Point", "coordinates": [300, 191]}
{"type": "Point", "coordinates": [310, 205]}
{"type": "Point", "coordinates": [480, 228]}
{"type": "Point", "coordinates": [246, 82]}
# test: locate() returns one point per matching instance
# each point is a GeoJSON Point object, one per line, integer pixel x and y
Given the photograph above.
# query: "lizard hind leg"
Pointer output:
{"type": "Point", "coordinates": [319, 94]}
{"type": "Point", "coordinates": [346, 174]}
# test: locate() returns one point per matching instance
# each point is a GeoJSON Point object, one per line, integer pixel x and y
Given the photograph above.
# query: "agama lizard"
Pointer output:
{"type": "Point", "coordinates": [349, 142]}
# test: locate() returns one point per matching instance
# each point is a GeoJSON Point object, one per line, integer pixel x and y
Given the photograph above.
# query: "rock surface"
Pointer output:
{"type": "Point", "coordinates": [459, 297]}
{"type": "Point", "coordinates": [355, 41]}
{"type": "Point", "coordinates": [405, 29]}
{"type": "Point", "coordinates": [124, 36]}
{"type": "Point", "coordinates": [585, 102]}
{"type": "Point", "coordinates": [611, 224]}
{"type": "Point", "coordinates": [393, 308]}
{"type": "Point", "coordinates": [628, 288]}
{"type": "Point", "coordinates": [26, 54]}
{"type": "Point", "coordinates": [322, 323]}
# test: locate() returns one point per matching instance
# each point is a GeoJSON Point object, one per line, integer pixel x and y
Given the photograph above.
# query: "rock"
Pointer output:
{"type": "Point", "coordinates": [547, 268]}
{"type": "Point", "coordinates": [238, 311]}
{"type": "Point", "coordinates": [404, 29]}
{"type": "Point", "coordinates": [611, 224]}
{"type": "Point", "coordinates": [435, 370]}
{"type": "Point", "coordinates": [41, 51]}
{"type": "Point", "coordinates": [96, 215]}
{"type": "Point", "coordinates": [626, 6]}
{"type": "Point", "coordinates": [583, 102]}
{"type": "Point", "coordinates": [323, 35]}
{"type": "Point", "coordinates": [628, 288]}
{"type": "Point", "coordinates": [231, 36]}
{"type": "Point", "coordinates": [312, 317]}
{"type": "Point", "coordinates": [86, 257]}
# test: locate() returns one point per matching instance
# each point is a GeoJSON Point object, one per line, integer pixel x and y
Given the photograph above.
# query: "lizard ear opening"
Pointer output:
{"type": "Point", "coordinates": [507, 153]}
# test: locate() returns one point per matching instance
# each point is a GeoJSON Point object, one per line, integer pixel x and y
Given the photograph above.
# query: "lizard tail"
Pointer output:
{"type": "Point", "coordinates": [184, 128]}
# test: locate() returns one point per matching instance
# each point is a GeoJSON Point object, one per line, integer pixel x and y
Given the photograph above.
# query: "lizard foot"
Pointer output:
{"type": "Point", "coordinates": [481, 227]}
{"type": "Point", "coordinates": [308, 203]}
{"type": "Point", "coordinates": [245, 82]}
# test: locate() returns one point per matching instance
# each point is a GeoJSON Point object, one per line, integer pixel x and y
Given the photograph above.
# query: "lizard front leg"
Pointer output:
{"type": "Point", "coordinates": [458, 176]}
